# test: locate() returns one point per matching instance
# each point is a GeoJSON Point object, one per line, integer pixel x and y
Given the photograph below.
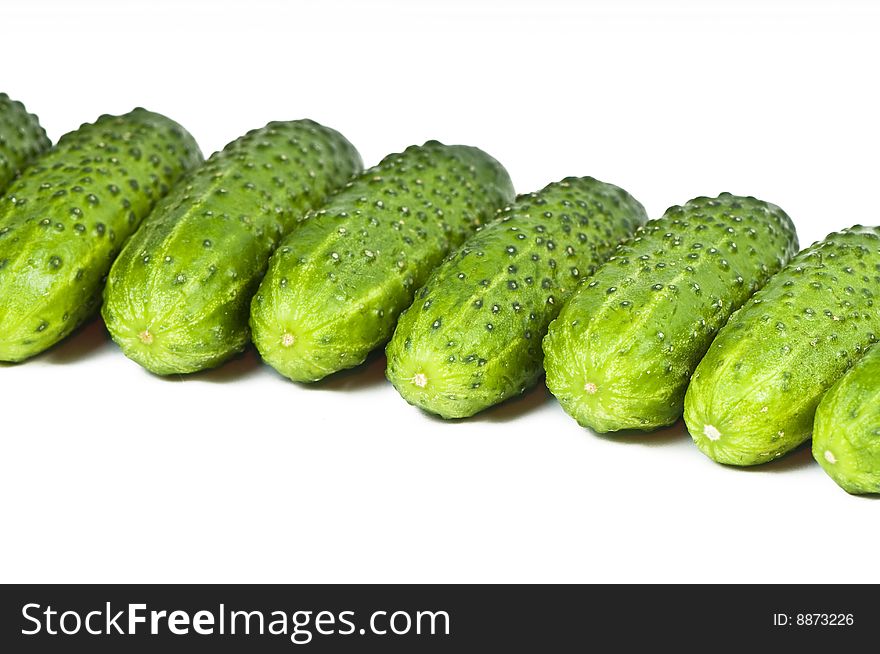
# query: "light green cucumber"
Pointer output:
{"type": "Point", "coordinates": [754, 396]}
{"type": "Point", "coordinates": [472, 338]}
{"type": "Point", "coordinates": [178, 297]}
{"type": "Point", "coordinates": [337, 284]}
{"type": "Point", "coordinates": [846, 431]}
{"type": "Point", "coordinates": [64, 220]}
{"type": "Point", "coordinates": [622, 350]}
{"type": "Point", "coordinates": [21, 139]}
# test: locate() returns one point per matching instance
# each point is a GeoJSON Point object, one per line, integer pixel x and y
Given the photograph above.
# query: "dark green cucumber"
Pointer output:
{"type": "Point", "coordinates": [337, 284]}
{"type": "Point", "coordinates": [65, 219]}
{"type": "Point", "coordinates": [754, 396]}
{"type": "Point", "coordinates": [178, 297]}
{"type": "Point", "coordinates": [621, 352]}
{"type": "Point", "coordinates": [21, 139]}
{"type": "Point", "coordinates": [472, 338]}
{"type": "Point", "coordinates": [846, 431]}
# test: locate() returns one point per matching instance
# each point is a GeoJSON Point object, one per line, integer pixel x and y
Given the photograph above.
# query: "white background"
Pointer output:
{"type": "Point", "coordinates": [110, 474]}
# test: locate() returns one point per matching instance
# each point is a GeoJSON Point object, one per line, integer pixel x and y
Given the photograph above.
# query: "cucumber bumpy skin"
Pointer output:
{"type": "Point", "coordinates": [622, 350]}
{"type": "Point", "coordinates": [21, 139]}
{"type": "Point", "coordinates": [473, 336]}
{"type": "Point", "coordinates": [337, 284]}
{"type": "Point", "coordinates": [178, 297]}
{"type": "Point", "coordinates": [754, 396]}
{"type": "Point", "coordinates": [846, 431]}
{"type": "Point", "coordinates": [65, 219]}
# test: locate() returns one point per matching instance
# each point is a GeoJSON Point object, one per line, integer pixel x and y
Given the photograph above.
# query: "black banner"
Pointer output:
{"type": "Point", "coordinates": [418, 618]}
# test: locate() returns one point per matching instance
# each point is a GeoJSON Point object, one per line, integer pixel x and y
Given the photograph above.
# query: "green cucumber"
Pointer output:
{"type": "Point", "coordinates": [473, 336]}
{"type": "Point", "coordinates": [754, 396]}
{"type": "Point", "coordinates": [65, 219]}
{"type": "Point", "coordinates": [622, 350]}
{"type": "Point", "coordinates": [337, 284]}
{"type": "Point", "coordinates": [178, 297]}
{"type": "Point", "coordinates": [846, 431]}
{"type": "Point", "coordinates": [21, 139]}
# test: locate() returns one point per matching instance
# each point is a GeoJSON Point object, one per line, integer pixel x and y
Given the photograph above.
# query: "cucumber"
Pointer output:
{"type": "Point", "coordinates": [473, 336]}
{"type": "Point", "coordinates": [622, 350]}
{"type": "Point", "coordinates": [336, 284]}
{"type": "Point", "coordinates": [65, 219]}
{"type": "Point", "coordinates": [846, 431]}
{"type": "Point", "coordinates": [754, 396]}
{"type": "Point", "coordinates": [178, 297]}
{"type": "Point", "coordinates": [21, 139]}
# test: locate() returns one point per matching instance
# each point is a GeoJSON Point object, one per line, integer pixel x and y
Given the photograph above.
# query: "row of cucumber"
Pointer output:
{"type": "Point", "coordinates": [283, 239]}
